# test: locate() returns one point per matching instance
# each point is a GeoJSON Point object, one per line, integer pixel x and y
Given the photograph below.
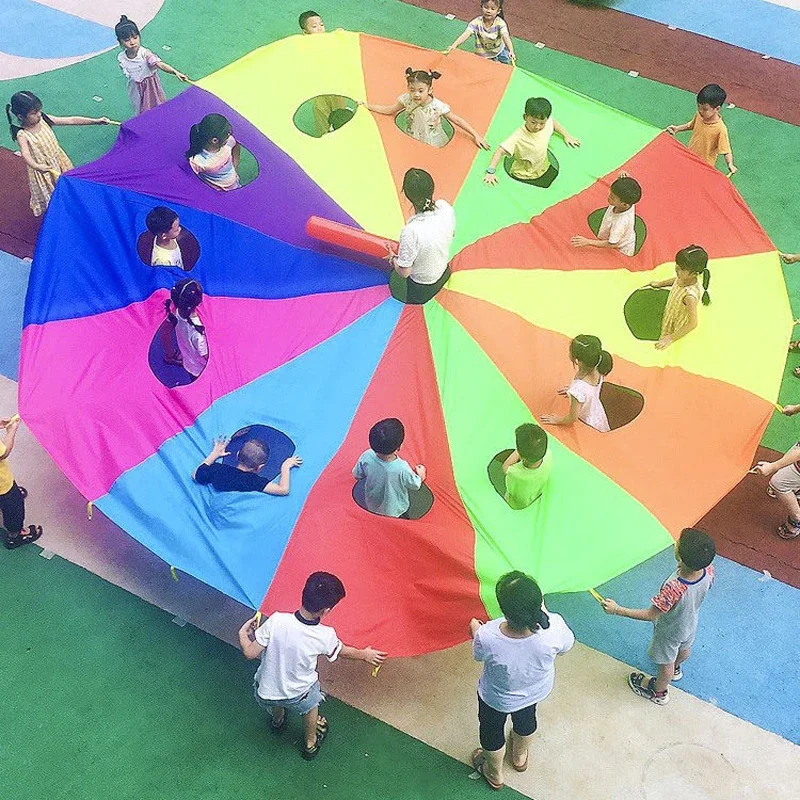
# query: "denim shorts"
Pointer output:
{"type": "Point", "coordinates": [504, 57]}
{"type": "Point", "coordinates": [300, 705]}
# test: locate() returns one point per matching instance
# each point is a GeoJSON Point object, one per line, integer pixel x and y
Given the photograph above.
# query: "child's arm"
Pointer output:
{"type": "Point", "coordinates": [660, 284]}
{"type": "Point", "coordinates": [732, 168]}
{"type": "Point", "coordinates": [508, 43]}
{"type": "Point", "coordinates": [80, 120]}
{"type": "Point", "coordinates": [27, 157]}
{"type": "Point", "coordinates": [584, 241]}
{"type": "Point", "coordinates": [219, 450]}
{"type": "Point", "coordinates": [465, 126]}
{"type": "Point", "coordinates": [11, 432]}
{"type": "Point", "coordinates": [790, 258]}
{"type": "Point", "coordinates": [568, 418]}
{"type": "Point", "coordinates": [236, 156]}
{"type": "Point", "coordinates": [673, 129]}
{"type": "Point", "coordinates": [172, 71]}
{"type": "Point", "coordinates": [458, 42]}
{"type": "Point", "coordinates": [769, 468]}
{"type": "Point", "coordinates": [393, 109]}
{"type": "Point", "coordinates": [644, 614]}
{"type": "Point", "coordinates": [489, 177]}
{"type": "Point", "coordinates": [250, 648]}
{"type": "Point", "coordinates": [282, 486]}
{"type": "Point", "coordinates": [368, 654]}
{"type": "Point", "coordinates": [665, 341]}
{"type": "Point", "coordinates": [510, 461]}
{"type": "Point", "coordinates": [570, 141]}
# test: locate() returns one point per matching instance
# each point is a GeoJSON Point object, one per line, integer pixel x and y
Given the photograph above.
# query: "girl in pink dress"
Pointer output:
{"type": "Point", "coordinates": [140, 66]}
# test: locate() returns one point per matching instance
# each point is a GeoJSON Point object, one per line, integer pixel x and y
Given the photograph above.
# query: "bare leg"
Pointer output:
{"type": "Point", "coordinates": [789, 501]}
{"type": "Point", "coordinates": [310, 721]}
{"type": "Point", "coordinates": [664, 677]}
{"type": "Point", "coordinates": [682, 656]}
{"type": "Point", "coordinates": [519, 749]}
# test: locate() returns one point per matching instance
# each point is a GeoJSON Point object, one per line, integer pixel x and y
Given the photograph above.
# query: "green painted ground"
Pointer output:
{"type": "Point", "coordinates": [105, 697]}
{"type": "Point", "coordinates": [768, 177]}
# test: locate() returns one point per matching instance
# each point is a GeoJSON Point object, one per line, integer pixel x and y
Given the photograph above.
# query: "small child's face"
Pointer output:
{"type": "Point", "coordinates": [132, 42]}
{"type": "Point", "coordinates": [32, 118]}
{"type": "Point", "coordinates": [419, 91]}
{"type": "Point", "coordinates": [534, 124]}
{"type": "Point", "coordinates": [613, 200]}
{"type": "Point", "coordinates": [707, 112]}
{"type": "Point", "coordinates": [314, 25]}
{"type": "Point", "coordinates": [173, 233]}
{"type": "Point", "coordinates": [490, 10]}
{"type": "Point", "coordinates": [685, 275]}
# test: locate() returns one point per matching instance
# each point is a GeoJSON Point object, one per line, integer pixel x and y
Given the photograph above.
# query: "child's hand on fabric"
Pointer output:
{"type": "Point", "coordinates": [790, 258]}
{"type": "Point", "coordinates": [765, 468]}
{"type": "Point", "coordinates": [549, 419]}
{"type": "Point", "coordinates": [609, 606]}
{"type": "Point", "coordinates": [563, 391]}
{"type": "Point", "coordinates": [571, 141]}
{"type": "Point", "coordinates": [421, 471]}
{"type": "Point", "coordinates": [652, 285]}
{"type": "Point", "coordinates": [791, 410]}
{"type": "Point", "coordinates": [490, 179]}
{"type": "Point", "coordinates": [448, 51]}
{"type": "Point", "coordinates": [292, 461]}
{"type": "Point", "coordinates": [623, 174]}
{"type": "Point", "coordinates": [390, 254]}
{"type": "Point", "coordinates": [373, 656]}
{"type": "Point", "coordinates": [664, 342]}
{"type": "Point", "coordinates": [220, 448]}
{"type": "Point", "coordinates": [580, 241]}
{"type": "Point", "coordinates": [481, 142]}
{"type": "Point", "coordinates": [732, 170]}
{"type": "Point", "coordinates": [672, 129]}
{"type": "Point", "coordinates": [103, 121]}
{"type": "Point", "coordinates": [181, 77]}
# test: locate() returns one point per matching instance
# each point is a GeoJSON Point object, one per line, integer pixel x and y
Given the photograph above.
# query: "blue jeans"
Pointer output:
{"type": "Point", "coordinates": [504, 57]}
{"type": "Point", "coordinates": [300, 705]}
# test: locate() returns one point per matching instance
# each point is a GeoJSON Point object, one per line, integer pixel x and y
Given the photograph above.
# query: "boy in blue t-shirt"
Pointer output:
{"type": "Point", "coordinates": [388, 479]}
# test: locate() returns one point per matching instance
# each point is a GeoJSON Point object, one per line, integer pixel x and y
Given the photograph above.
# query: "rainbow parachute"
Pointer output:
{"type": "Point", "coordinates": [311, 343]}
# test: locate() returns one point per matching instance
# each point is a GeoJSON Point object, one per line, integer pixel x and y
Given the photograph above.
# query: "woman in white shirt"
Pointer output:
{"type": "Point", "coordinates": [424, 251]}
{"type": "Point", "coordinates": [592, 364]}
{"type": "Point", "coordinates": [518, 652]}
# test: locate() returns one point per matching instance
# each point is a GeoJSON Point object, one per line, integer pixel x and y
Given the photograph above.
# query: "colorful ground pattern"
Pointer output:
{"type": "Point", "coordinates": [312, 344]}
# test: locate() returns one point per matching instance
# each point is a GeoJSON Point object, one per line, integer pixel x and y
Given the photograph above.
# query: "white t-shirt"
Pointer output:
{"type": "Point", "coordinates": [288, 666]}
{"type": "Point", "coordinates": [425, 243]}
{"type": "Point", "coordinates": [619, 229]}
{"type": "Point", "coordinates": [141, 66]}
{"type": "Point", "coordinates": [192, 344]}
{"type": "Point", "coordinates": [519, 672]}
{"type": "Point", "coordinates": [164, 257]}
{"type": "Point", "coordinates": [592, 411]}
{"type": "Point", "coordinates": [424, 122]}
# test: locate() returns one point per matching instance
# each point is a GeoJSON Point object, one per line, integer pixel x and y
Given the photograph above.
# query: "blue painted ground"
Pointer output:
{"type": "Point", "coordinates": [32, 30]}
{"type": "Point", "coordinates": [770, 29]}
{"type": "Point", "coordinates": [14, 275]}
{"type": "Point", "coordinates": [746, 644]}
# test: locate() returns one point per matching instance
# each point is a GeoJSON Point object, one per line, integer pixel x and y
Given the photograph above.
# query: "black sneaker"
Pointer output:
{"type": "Point", "coordinates": [12, 542]}
{"type": "Point", "coordinates": [645, 687]}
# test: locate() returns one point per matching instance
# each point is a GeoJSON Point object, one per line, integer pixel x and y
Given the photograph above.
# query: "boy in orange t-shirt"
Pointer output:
{"type": "Point", "coordinates": [709, 133]}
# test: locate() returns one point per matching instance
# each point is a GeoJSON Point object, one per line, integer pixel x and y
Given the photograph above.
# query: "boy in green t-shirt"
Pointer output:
{"type": "Point", "coordinates": [527, 468]}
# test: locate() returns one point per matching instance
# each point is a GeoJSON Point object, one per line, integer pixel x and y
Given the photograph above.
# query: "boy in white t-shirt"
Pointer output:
{"type": "Point", "coordinates": [165, 226]}
{"type": "Point", "coordinates": [288, 646]}
{"type": "Point", "coordinates": [618, 226]}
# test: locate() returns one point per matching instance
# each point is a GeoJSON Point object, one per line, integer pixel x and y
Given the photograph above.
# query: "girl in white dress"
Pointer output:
{"type": "Point", "coordinates": [424, 112]}
{"type": "Point", "coordinates": [592, 364]}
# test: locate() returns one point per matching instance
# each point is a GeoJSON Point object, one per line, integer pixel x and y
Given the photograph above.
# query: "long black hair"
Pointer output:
{"type": "Point", "coordinates": [22, 103]}
{"type": "Point", "coordinates": [212, 126]}
{"type": "Point", "coordinates": [185, 295]}
{"type": "Point", "coordinates": [418, 188]}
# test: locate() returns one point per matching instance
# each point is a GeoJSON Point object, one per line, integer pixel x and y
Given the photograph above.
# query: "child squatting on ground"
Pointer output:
{"type": "Point", "coordinates": [528, 467]}
{"type": "Point", "coordinates": [709, 133]}
{"type": "Point", "coordinates": [288, 646]}
{"type": "Point", "coordinates": [214, 154]}
{"type": "Point", "coordinates": [424, 112]}
{"type": "Point", "coordinates": [12, 497]}
{"type": "Point", "coordinates": [618, 226]}
{"type": "Point", "coordinates": [592, 364]}
{"type": "Point", "coordinates": [140, 67]}
{"type": "Point", "coordinates": [250, 460]}
{"type": "Point", "coordinates": [38, 146]}
{"type": "Point", "coordinates": [388, 479]}
{"type": "Point", "coordinates": [518, 652]}
{"type": "Point", "coordinates": [680, 313]}
{"type": "Point", "coordinates": [784, 483]}
{"type": "Point", "coordinates": [527, 146]}
{"type": "Point", "coordinates": [674, 613]}
{"type": "Point", "coordinates": [492, 39]}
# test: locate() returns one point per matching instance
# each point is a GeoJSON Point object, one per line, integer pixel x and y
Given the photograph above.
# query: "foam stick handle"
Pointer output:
{"type": "Point", "coordinates": [349, 238]}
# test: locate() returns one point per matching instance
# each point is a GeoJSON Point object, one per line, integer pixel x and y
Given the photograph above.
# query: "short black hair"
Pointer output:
{"type": "Point", "coordinates": [253, 454]}
{"type": "Point", "coordinates": [322, 590]}
{"type": "Point", "coordinates": [386, 436]}
{"type": "Point", "coordinates": [160, 219]}
{"type": "Point", "coordinates": [306, 16]}
{"type": "Point", "coordinates": [538, 107]}
{"type": "Point", "coordinates": [531, 442]}
{"type": "Point", "coordinates": [627, 189]}
{"type": "Point", "coordinates": [696, 548]}
{"type": "Point", "coordinates": [713, 94]}
{"type": "Point", "coordinates": [520, 600]}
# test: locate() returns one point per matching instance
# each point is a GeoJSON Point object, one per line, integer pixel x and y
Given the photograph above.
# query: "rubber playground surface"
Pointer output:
{"type": "Point", "coordinates": [729, 398]}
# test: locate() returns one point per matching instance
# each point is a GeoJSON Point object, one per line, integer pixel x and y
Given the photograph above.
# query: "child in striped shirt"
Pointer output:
{"type": "Point", "coordinates": [490, 31]}
{"type": "Point", "coordinates": [213, 153]}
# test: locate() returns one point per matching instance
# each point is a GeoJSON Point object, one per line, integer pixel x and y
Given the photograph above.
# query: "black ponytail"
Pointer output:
{"type": "Point", "coordinates": [212, 126]}
{"type": "Point", "coordinates": [695, 259]}
{"type": "Point", "coordinates": [22, 103]}
{"type": "Point", "coordinates": [185, 295]}
{"type": "Point", "coordinates": [418, 187]}
{"type": "Point", "coordinates": [588, 351]}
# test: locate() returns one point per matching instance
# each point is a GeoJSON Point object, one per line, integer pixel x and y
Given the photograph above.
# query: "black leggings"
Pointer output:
{"type": "Point", "coordinates": [493, 723]}
{"type": "Point", "coordinates": [12, 508]}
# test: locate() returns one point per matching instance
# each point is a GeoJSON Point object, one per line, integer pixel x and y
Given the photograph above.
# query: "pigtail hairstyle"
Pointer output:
{"type": "Point", "coordinates": [423, 76]}
{"type": "Point", "coordinates": [588, 351]}
{"type": "Point", "coordinates": [212, 126]}
{"type": "Point", "coordinates": [520, 600]}
{"type": "Point", "coordinates": [185, 295]}
{"type": "Point", "coordinates": [418, 188]}
{"type": "Point", "coordinates": [22, 103]}
{"type": "Point", "coordinates": [126, 28]}
{"type": "Point", "coordinates": [695, 259]}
